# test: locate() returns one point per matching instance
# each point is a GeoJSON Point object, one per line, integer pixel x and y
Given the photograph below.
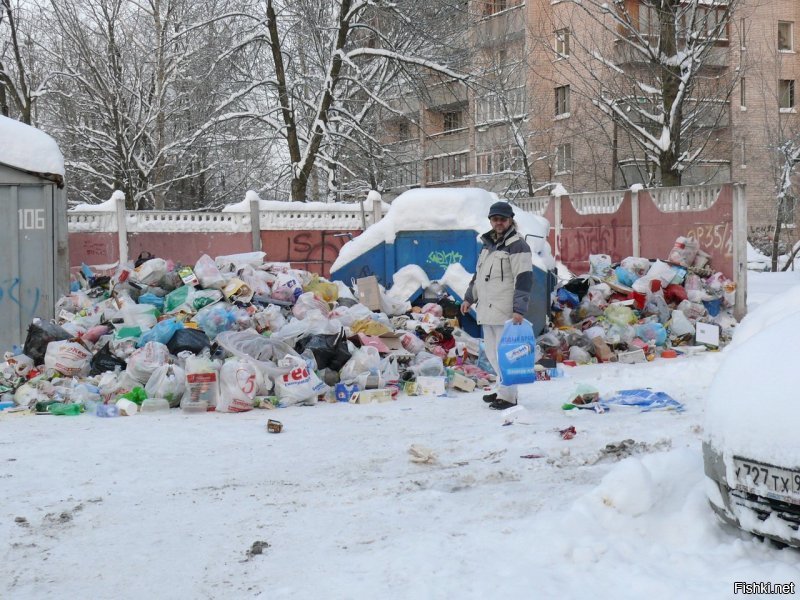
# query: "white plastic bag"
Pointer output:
{"type": "Point", "coordinates": [364, 360]}
{"type": "Point", "coordinates": [139, 315]}
{"type": "Point", "coordinates": [237, 386]}
{"type": "Point", "coordinates": [168, 382]}
{"type": "Point", "coordinates": [287, 287]}
{"type": "Point", "coordinates": [308, 302]}
{"type": "Point", "coordinates": [145, 360]}
{"type": "Point", "coordinates": [202, 381]}
{"type": "Point", "coordinates": [600, 265]}
{"type": "Point", "coordinates": [299, 385]}
{"type": "Point", "coordinates": [68, 358]}
{"type": "Point", "coordinates": [150, 271]}
{"type": "Point", "coordinates": [208, 273]}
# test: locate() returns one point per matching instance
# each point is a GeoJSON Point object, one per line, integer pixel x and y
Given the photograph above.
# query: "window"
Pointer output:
{"type": "Point", "coordinates": [403, 130]}
{"type": "Point", "coordinates": [786, 94]}
{"type": "Point", "coordinates": [498, 160]}
{"type": "Point", "coordinates": [564, 158]}
{"type": "Point", "coordinates": [785, 43]}
{"type": "Point", "coordinates": [491, 7]}
{"type": "Point", "coordinates": [562, 43]}
{"type": "Point", "coordinates": [497, 107]}
{"type": "Point", "coordinates": [742, 93]}
{"type": "Point", "coordinates": [562, 100]}
{"type": "Point", "coordinates": [452, 120]}
{"type": "Point", "coordinates": [446, 168]}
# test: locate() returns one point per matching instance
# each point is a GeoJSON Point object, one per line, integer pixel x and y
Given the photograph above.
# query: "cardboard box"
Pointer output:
{"type": "Point", "coordinates": [370, 396]}
{"type": "Point", "coordinates": [463, 383]}
{"type": "Point", "coordinates": [369, 294]}
{"type": "Point", "coordinates": [431, 386]}
{"type": "Point", "coordinates": [632, 356]}
{"type": "Point", "coordinates": [707, 334]}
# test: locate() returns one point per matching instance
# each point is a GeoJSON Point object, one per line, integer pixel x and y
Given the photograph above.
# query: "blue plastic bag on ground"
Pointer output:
{"type": "Point", "coordinates": [516, 354]}
{"type": "Point", "coordinates": [646, 399]}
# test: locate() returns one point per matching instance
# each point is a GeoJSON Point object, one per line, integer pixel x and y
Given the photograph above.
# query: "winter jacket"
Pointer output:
{"type": "Point", "coordinates": [503, 278]}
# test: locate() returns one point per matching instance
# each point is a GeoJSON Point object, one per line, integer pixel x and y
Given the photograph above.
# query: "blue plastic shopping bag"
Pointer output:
{"type": "Point", "coordinates": [516, 354]}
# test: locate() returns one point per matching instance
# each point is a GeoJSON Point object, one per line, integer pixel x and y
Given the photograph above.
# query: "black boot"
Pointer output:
{"type": "Point", "coordinates": [501, 404]}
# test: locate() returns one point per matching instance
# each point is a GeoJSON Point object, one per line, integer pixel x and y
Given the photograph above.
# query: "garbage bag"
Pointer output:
{"type": "Point", "coordinates": [40, 334]}
{"type": "Point", "coordinates": [215, 319]}
{"type": "Point", "coordinates": [104, 361]}
{"type": "Point", "coordinates": [68, 358]}
{"type": "Point", "coordinates": [168, 382]}
{"type": "Point", "coordinates": [364, 360]}
{"type": "Point", "coordinates": [516, 355]}
{"type": "Point", "coordinates": [188, 338]}
{"type": "Point", "coordinates": [208, 273]}
{"type": "Point", "coordinates": [237, 386]}
{"type": "Point", "coordinates": [330, 351]}
{"type": "Point", "coordinates": [264, 351]}
{"type": "Point", "coordinates": [145, 360]}
{"type": "Point", "coordinates": [162, 332]}
{"type": "Point", "coordinates": [298, 385]}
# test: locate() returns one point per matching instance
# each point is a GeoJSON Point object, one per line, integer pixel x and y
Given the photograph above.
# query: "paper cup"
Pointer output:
{"type": "Point", "coordinates": [126, 407]}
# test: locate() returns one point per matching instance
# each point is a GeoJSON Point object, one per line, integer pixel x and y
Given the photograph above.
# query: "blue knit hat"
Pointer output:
{"type": "Point", "coordinates": [501, 209]}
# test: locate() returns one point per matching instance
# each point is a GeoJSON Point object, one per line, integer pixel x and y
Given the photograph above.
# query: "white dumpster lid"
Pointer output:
{"type": "Point", "coordinates": [29, 149]}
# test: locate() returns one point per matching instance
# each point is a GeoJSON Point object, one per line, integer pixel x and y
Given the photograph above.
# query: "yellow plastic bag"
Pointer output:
{"type": "Point", "coordinates": [324, 290]}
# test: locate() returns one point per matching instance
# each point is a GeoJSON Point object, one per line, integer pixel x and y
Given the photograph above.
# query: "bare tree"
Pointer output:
{"type": "Point", "coordinates": [332, 62]}
{"type": "Point", "coordinates": [656, 68]}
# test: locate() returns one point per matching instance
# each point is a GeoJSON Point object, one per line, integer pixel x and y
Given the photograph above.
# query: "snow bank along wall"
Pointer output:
{"type": "Point", "coordinates": [619, 223]}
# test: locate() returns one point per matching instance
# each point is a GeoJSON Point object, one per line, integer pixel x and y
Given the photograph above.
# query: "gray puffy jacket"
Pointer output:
{"type": "Point", "coordinates": [503, 278]}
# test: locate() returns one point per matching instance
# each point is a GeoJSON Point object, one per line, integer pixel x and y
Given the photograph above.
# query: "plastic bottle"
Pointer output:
{"type": "Point", "coordinates": [106, 410]}
{"type": "Point", "coordinates": [42, 405]}
{"type": "Point", "coordinates": [60, 409]}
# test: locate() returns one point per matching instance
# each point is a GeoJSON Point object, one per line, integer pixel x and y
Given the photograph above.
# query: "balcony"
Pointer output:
{"type": "Point", "coordinates": [448, 142]}
{"type": "Point", "coordinates": [501, 28]}
{"type": "Point", "coordinates": [623, 54]}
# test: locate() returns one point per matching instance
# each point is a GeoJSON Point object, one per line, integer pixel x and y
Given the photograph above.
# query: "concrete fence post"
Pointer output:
{"type": "Point", "coordinates": [255, 223]}
{"type": "Point", "coordinates": [636, 249]}
{"type": "Point", "coordinates": [122, 227]}
{"type": "Point", "coordinates": [557, 225]}
{"type": "Point", "coordinates": [739, 250]}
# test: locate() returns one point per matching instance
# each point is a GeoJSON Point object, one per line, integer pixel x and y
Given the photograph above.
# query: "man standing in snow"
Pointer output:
{"type": "Point", "coordinates": [500, 289]}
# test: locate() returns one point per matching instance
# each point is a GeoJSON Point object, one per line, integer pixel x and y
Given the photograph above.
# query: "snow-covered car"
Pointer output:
{"type": "Point", "coordinates": [751, 448]}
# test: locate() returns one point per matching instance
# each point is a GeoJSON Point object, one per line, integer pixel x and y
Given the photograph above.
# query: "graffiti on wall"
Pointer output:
{"type": "Point", "coordinates": [313, 250]}
{"type": "Point", "coordinates": [444, 259]}
{"type": "Point", "coordinates": [10, 292]}
{"type": "Point", "coordinates": [717, 237]}
{"type": "Point", "coordinates": [590, 237]}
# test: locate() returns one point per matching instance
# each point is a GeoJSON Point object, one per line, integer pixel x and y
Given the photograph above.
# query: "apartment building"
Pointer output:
{"type": "Point", "coordinates": [529, 121]}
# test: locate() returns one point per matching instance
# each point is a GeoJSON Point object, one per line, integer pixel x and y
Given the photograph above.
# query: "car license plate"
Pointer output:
{"type": "Point", "coordinates": [768, 480]}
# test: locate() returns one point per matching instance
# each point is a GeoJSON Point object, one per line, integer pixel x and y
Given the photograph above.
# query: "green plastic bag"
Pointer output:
{"type": "Point", "coordinates": [137, 395]}
{"type": "Point", "coordinates": [176, 297]}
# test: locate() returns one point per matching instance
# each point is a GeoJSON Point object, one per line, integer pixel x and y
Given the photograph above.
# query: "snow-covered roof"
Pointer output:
{"type": "Point", "coordinates": [443, 209]}
{"type": "Point", "coordinates": [29, 149]}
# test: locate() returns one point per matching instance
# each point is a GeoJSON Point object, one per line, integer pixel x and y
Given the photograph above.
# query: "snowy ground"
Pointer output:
{"type": "Point", "coordinates": [173, 506]}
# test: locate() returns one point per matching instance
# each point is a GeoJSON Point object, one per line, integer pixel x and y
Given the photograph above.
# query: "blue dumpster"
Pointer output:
{"type": "Point", "coordinates": [434, 228]}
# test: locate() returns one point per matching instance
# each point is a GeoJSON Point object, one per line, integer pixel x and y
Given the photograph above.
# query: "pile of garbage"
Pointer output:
{"type": "Point", "coordinates": [231, 334]}
{"type": "Point", "coordinates": [640, 309]}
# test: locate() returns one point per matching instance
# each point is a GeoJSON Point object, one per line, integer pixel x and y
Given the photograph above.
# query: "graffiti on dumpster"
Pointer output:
{"type": "Point", "coordinates": [10, 288]}
{"type": "Point", "coordinates": [444, 259]}
{"type": "Point", "coordinates": [716, 237]}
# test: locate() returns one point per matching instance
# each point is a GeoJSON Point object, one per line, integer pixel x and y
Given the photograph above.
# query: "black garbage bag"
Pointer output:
{"type": "Point", "coordinates": [39, 335]}
{"type": "Point", "coordinates": [188, 338]}
{"type": "Point", "coordinates": [330, 350]}
{"type": "Point", "coordinates": [143, 257]}
{"type": "Point", "coordinates": [104, 361]}
{"type": "Point", "coordinates": [578, 286]}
